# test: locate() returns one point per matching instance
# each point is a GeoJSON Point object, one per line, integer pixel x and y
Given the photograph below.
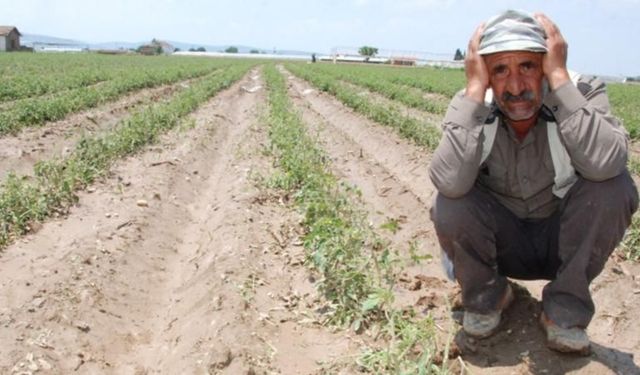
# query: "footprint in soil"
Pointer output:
{"type": "Point", "coordinates": [521, 342]}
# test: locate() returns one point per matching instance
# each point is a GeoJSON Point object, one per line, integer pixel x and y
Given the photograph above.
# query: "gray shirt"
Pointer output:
{"type": "Point", "coordinates": [520, 174]}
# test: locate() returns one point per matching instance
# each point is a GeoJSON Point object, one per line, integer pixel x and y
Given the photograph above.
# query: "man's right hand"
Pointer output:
{"type": "Point", "coordinates": [475, 69]}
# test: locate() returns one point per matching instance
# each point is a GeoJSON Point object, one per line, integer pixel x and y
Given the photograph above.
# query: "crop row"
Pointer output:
{"type": "Point", "coordinates": [420, 131]}
{"type": "Point", "coordinates": [27, 75]}
{"type": "Point", "coordinates": [38, 110]}
{"type": "Point", "coordinates": [441, 81]}
{"type": "Point", "coordinates": [52, 190]}
{"type": "Point", "coordinates": [20, 87]}
{"type": "Point", "coordinates": [383, 85]}
{"type": "Point", "coordinates": [357, 269]}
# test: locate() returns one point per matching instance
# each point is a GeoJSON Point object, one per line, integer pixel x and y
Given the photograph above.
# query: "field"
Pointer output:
{"type": "Point", "coordinates": [190, 215]}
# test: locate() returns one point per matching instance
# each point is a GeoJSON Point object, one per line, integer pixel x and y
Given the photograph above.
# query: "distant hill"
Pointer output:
{"type": "Point", "coordinates": [31, 39]}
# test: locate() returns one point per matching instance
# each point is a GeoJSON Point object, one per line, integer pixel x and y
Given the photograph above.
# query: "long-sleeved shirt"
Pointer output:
{"type": "Point", "coordinates": [520, 174]}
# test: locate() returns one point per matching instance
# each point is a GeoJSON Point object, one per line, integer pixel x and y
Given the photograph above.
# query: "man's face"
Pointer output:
{"type": "Point", "coordinates": [516, 80]}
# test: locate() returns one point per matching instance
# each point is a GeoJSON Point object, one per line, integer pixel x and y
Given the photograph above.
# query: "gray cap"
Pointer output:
{"type": "Point", "coordinates": [512, 30]}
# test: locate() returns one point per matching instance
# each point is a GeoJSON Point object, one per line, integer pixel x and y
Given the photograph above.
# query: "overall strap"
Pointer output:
{"type": "Point", "coordinates": [565, 174]}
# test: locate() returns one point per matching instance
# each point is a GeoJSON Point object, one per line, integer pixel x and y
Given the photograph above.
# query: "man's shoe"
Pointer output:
{"type": "Point", "coordinates": [566, 340]}
{"type": "Point", "coordinates": [484, 325]}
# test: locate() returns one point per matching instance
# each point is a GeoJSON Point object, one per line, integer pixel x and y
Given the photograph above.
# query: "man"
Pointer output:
{"type": "Point", "coordinates": [532, 179]}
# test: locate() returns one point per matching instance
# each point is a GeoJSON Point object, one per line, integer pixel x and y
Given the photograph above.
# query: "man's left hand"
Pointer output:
{"type": "Point", "coordinates": [554, 63]}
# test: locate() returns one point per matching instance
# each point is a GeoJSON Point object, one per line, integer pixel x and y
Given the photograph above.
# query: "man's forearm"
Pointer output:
{"type": "Point", "coordinates": [595, 140]}
{"type": "Point", "coordinates": [455, 163]}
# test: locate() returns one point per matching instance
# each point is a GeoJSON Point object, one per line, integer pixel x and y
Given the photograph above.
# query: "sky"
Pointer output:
{"type": "Point", "coordinates": [603, 35]}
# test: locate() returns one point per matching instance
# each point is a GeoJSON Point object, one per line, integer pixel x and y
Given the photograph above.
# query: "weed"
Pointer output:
{"type": "Point", "coordinates": [392, 225]}
{"type": "Point", "coordinates": [630, 245]}
{"type": "Point", "coordinates": [357, 267]}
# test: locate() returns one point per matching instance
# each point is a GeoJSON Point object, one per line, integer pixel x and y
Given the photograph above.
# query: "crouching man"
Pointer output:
{"type": "Point", "coordinates": [531, 177]}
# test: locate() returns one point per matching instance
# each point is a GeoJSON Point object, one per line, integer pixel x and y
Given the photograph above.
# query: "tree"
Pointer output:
{"type": "Point", "coordinates": [368, 51]}
{"type": "Point", "coordinates": [459, 55]}
{"type": "Point", "coordinates": [201, 49]}
{"type": "Point", "coordinates": [231, 49]}
{"type": "Point", "coordinates": [254, 51]}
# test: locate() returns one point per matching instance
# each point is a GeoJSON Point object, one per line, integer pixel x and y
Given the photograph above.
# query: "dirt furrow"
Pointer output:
{"type": "Point", "coordinates": [394, 208]}
{"type": "Point", "coordinates": [415, 113]}
{"type": "Point", "coordinates": [179, 263]}
{"type": "Point", "coordinates": [392, 175]}
{"type": "Point", "coordinates": [21, 152]}
{"type": "Point", "coordinates": [409, 164]}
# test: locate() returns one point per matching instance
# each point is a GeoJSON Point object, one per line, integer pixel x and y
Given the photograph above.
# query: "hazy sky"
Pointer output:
{"type": "Point", "coordinates": [603, 35]}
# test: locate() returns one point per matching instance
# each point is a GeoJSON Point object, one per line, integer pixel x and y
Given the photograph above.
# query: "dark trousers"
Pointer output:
{"type": "Point", "coordinates": [487, 243]}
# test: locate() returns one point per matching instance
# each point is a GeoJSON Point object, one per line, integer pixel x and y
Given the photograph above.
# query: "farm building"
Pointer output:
{"type": "Point", "coordinates": [9, 38]}
{"type": "Point", "coordinates": [157, 47]}
{"type": "Point", "coordinates": [404, 60]}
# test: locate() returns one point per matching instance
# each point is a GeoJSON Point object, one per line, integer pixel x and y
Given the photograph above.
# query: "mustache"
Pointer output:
{"type": "Point", "coordinates": [526, 95]}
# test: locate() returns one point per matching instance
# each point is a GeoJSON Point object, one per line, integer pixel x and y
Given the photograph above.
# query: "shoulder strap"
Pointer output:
{"type": "Point", "coordinates": [565, 174]}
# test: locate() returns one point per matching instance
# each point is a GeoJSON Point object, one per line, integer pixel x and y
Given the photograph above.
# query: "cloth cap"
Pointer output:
{"type": "Point", "coordinates": [512, 30]}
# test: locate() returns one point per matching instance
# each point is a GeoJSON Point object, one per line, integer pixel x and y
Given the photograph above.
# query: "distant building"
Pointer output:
{"type": "Point", "coordinates": [9, 38]}
{"type": "Point", "coordinates": [404, 60]}
{"type": "Point", "coordinates": [157, 47]}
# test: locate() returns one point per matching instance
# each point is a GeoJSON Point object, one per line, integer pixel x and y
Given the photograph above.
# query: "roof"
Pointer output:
{"type": "Point", "coordinates": [6, 30]}
{"type": "Point", "coordinates": [161, 43]}
{"type": "Point", "coordinates": [405, 58]}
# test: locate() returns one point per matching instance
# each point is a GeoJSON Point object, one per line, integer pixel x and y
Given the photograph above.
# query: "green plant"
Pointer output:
{"type": "Point", "coordinates": [357, 269]}
{"type": "Point", "coordinates": [392, 225]}
{"type": "Point", "coordinates": [422, 133]}
{"type": "Point", "coordinates": [52, 190]}
{"type": "Point", "coordinates": [630, 245]}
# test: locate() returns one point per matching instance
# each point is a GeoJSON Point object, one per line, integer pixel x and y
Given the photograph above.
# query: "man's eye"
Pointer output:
{"type": "Point", "coordinates": [500, 71]}
{"type": "Point", "coordinates": [528, 67]}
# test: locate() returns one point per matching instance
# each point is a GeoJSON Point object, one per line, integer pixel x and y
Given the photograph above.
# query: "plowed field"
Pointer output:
{"type": "Point", "coordinates": [182, 258]}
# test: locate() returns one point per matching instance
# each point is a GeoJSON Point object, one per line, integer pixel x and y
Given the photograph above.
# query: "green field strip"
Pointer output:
{"type": "Point", "coordinates": [444, 81]}
{"type": "Point", "coordinates": [420, 132]}
{"type": "Point", "coordinates": [37, 111]}
{"type": "Point", "coordinates": [386, 88]}
{"type": "Point", "coordinates": [21, 87]}
{"type": "Point", "coordinates": [625, 104]}
{"type": "Point", "coordinates": [55, 183]}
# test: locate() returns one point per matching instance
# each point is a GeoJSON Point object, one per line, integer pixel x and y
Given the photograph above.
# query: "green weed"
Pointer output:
{"type": "Point", "coordinates": [357, 268]}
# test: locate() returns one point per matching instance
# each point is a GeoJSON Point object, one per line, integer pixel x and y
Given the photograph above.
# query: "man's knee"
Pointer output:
{"type": "Point", "coordinates": [452, 217]}
{"type": "Point", "coordinates": [617, 195]}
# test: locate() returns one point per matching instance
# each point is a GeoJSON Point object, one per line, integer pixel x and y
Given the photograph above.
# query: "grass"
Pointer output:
{"type": "Point", "coordinates": [625, 103]}
{"type": "Point", "coordinates": [630, 246]}
{"type": "Point", "coordinates": [357, 268]}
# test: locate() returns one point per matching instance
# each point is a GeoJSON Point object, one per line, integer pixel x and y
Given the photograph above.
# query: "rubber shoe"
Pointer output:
{"type": "Point", "coordinates": [566, 340]}
{"type": "Point", "coordinates": [484, 325]}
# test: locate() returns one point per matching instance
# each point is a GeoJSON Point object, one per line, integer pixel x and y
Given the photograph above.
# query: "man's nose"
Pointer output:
{"type": "Point", "coordinates": [515, 84]}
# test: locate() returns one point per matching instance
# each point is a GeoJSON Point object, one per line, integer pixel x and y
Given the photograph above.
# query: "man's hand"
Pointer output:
{"type": "Point", "coordinates": [475, 69]}
{"type": "Point", "coordinates": [554, 62]}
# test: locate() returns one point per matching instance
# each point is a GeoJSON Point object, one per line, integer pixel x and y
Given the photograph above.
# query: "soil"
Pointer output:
{"type": "Point", "coordinates": [182, 261]}
{"type": "Point", "coordinates": [20, 152]}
